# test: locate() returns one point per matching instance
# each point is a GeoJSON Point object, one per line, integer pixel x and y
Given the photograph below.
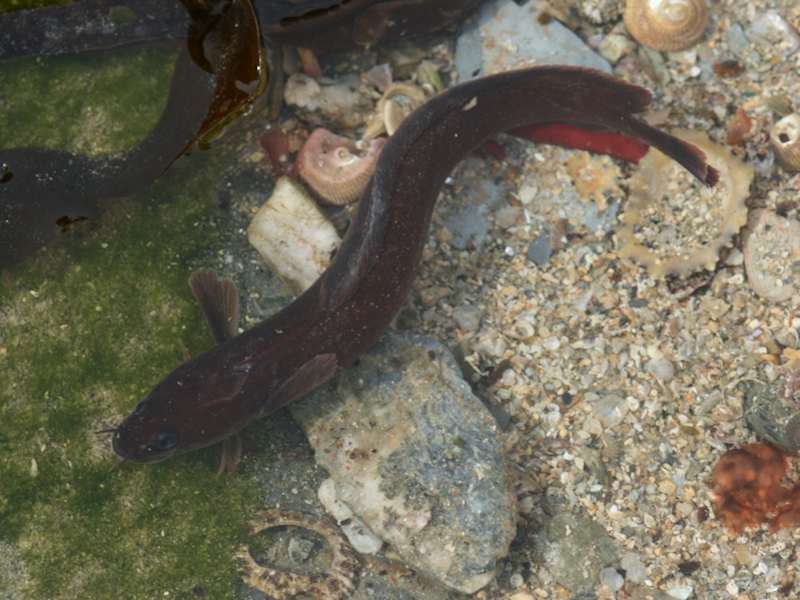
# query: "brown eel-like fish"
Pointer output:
{"type": "Point", "coordinates": [214, 395]}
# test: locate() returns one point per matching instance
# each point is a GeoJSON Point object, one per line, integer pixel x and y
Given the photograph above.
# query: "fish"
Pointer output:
{"type": "Point", "coordinates": [214, 395]}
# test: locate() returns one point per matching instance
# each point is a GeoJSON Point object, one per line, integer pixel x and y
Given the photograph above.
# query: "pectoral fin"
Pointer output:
{"type": "Point", "coordinates": [308, 377]}
{"type": "Point", "coordinates": [231, 455]}
{"type": "Point", "coordinates": [219, 301]}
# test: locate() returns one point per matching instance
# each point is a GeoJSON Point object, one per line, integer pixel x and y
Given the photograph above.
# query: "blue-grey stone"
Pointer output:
{"type": "Point", "coordinates": [418, 458]}
{"type": "Point", "coordinates": [508, 36]}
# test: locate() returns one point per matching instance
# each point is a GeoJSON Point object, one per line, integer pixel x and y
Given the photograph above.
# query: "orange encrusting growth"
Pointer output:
{"type": "Point", "coordinates": [748, 490]}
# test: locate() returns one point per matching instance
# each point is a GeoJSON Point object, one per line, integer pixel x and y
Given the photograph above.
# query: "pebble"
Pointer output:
{"type": "Point", "coordinates": [574, 549]}
{"type": "Point", "coordinates": [540, 250]}
{"type": "Point", "coordinates": [661, 368]}
{"type": "Point", "coordinates": [341, 102]}
{"type": "Point", "coordinates": [467, 318]}
{"type": "Point", "coordinates": [293, 236]}
{"type": "Point", "coordinates": [635, 570]}
{"type": "Point", "coordinates": [610, 578]}
{"type": "Point", "coordinates": [771, 28]}
{"type": "Point", "coordinates": [772, 413]}
{"type": "Point", "coordinates": [610, 409]}
{"type": "Point", "coordinates": [418, 458]}
{"type": "Point", "coordinates": [616, 45]}
{"type": "Point", "coordinates": [468, 219]}
{"type": "Point", "coordinates": [354, 529]}
{"type": "Point", "coordinates": [680, 592]}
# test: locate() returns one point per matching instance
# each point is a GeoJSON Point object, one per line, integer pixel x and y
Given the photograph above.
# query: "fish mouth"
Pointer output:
{"type": "Point", "coordinates": [138, 453]}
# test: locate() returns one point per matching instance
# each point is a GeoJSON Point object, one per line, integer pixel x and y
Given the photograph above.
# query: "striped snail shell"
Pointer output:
{"type": "Point", "coordinates": [666, 25]}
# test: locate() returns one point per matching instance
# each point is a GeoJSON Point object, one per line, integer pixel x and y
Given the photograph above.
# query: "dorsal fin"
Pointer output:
{"type": "Point", "coordinates": [219, 301]}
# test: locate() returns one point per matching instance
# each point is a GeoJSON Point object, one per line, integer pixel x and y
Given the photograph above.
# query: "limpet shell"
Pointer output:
{"type": "Point", "coordinates": [666, 25]}
{"type": "Point", "coordinates": [785, 138]}
{"type": "Point", "coordinates": [721, 210]}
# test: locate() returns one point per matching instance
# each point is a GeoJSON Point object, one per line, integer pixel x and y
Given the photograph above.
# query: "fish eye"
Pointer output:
{"type": "Point", "coordinates": [166, 439]}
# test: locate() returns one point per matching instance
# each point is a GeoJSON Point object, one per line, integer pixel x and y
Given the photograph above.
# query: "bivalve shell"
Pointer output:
{"type": "Point", "coordinates": [666, 25]}
{"type": "Point", "coordinates": [785, 138]}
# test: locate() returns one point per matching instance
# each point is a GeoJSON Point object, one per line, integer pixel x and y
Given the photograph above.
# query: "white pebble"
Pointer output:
{"type": "Point", "coordinates": [661, 368]}
{"type": "Point", "coordinates": [610, 578]}
{"type": "Point", "coordinates": [634, 567]}
{"type": "Point", "coordinates": [680, 592]}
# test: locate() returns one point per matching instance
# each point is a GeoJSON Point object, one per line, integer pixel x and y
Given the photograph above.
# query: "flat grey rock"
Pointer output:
{"type": "Point", "coordinates": [507, 36]}
{"type": "Point", "coordinates": [417, 457]}
{"type": "Point", "coordinates": [575, 549]}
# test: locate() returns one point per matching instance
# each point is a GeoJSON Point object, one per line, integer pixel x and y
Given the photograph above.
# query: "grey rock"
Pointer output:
{"type": "Point", "coordinates": [468, 219]}
{"type": "Point", "coordinates": [509, 36]}
{"type": "Point", "coordinates": [772, 413]}
{"type": "Point", "coordinates": [468, 318]}
{"type": "Point", "coordinates": [771, 28]}
{"type": "Point", "coordinates": [574, 549]}
{"type": "Point", "coordinates": [737, 40]}
{"type": "Point", "coordinates": [635, 571]}
{"type": "Point", "coordinates": [416, 456]}
{"type": "Point", "coordinates": [646, 593]}
{"type": "Point", "coordinates": [611, 578]}
{"type": "Point", "coordinates": [541, 249]}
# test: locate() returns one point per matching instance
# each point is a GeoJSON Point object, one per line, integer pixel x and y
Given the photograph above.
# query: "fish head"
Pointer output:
{"type": "Point", "coordinates": [198, 404]}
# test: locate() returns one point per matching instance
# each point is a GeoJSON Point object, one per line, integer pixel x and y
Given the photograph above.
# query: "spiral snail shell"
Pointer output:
{"type": "Point", "coordinates": [666, 25]}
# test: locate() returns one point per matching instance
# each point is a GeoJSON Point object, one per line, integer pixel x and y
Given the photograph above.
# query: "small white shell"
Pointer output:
{"type": "Point", "coordinates": [396, 104]}
{"type": "Point", "coordinates": [666, 25]}
{"type": "Point", "coordinates": [785, 138]}
{"type": "Point", "coordinates": [293, 236]}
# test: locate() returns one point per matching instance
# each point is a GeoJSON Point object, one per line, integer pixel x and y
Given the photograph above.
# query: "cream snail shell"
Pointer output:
{"type": "Point", "coordinates": [785, 138]}
{"type": "Point", "coordinates": [666, 25]}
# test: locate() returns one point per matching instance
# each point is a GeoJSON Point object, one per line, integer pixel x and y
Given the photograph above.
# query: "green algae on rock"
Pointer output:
{"type": "Point", "coordinates": [86, 327]}
{"type": "Point", "coordinates": [91, 104]}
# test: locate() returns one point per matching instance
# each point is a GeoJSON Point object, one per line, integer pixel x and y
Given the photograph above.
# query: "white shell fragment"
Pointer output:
{"type": "Point", "coordinates": [293, 236]}
{"type": "Point", "coordinates": [772, 255]}
{"type": "Point", "coordinates": [672, 224]}
{"type": "Point", "coordinates": [397, 102]}
{"type": "Point", "coordinates": [785, 138]}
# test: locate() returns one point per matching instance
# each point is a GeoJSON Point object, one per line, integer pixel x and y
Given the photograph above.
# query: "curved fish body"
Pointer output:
{"type": "Point", "coordinates": [217, 393]}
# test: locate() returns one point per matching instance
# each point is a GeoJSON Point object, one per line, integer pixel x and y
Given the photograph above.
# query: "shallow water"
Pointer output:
{"type": "Point", "coordinates": [91, 322]}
